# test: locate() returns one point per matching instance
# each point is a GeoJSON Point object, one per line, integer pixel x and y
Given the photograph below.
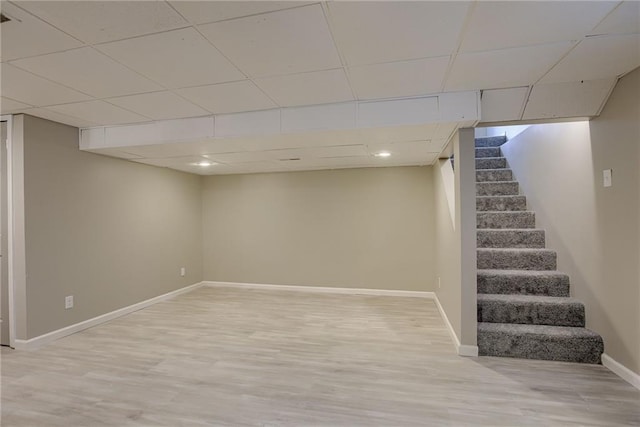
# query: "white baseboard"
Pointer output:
{"type": "Point", "coordinates": [41, 340]}
{"type": "Point", "coordinates": [620, 370]}
{"type": "Point", "coordinates": [462, 350]}
{"type": "Point", "coordinates": [468, 350]}
{"type": "Point", "coordinates": [323, 289]}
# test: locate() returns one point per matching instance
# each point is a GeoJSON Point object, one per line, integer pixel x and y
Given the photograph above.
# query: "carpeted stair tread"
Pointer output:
{"type": "Point", "coordinates": [490, 141]}
{"type": "Point", "coordinates": [505, 219]}
{"type": "Point", "coordinates": [491, 163]}
{"type": "Point", "coordinates": [497, 188]}
{"type": "Point", "coordinates": [501, 203]}
{"type": "Point", "coordinates": [516, 259]}
{"type": "Point", "coordinates": [530, 309]}
{"type": "Point", "coordinates": [562, 343]}
{"type": "Point", "coordinates": [510, 238]}
{"type": "Point", "coordinates": [487, 175]}
{"type": "Point", "coordinates": [530, 282]}
{"type": "Point", "coordinates": [487, 152]}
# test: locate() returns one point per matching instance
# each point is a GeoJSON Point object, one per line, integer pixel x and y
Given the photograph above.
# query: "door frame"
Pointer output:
{"type": "Point", "coordinates": [10, 230]}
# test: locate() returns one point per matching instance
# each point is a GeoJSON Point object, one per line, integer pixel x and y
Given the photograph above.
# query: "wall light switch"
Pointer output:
{"type": "Point", "coordinates": [68, 302]}
{"type": "Point", "coordinates": [606, 178]}
{"type": "Point", "coordinates": [183, 271]}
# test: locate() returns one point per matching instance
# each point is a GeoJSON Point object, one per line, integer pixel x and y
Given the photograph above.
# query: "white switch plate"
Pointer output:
{"type": "Point", "coordinates": [606, 178]}
{"type": "Point", "coordinates": [68, 302]}
{"type": "Point", "coordinates": [183, 271]}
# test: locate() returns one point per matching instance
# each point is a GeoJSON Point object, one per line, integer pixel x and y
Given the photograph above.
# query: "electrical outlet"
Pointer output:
{"type": "Point", "coordinates": [68, 302]}
{"type": "Point", "coordinates": [183, 271]}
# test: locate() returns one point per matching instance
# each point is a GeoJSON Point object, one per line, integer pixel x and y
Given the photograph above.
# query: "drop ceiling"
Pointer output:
{"type": "Point", "coordinates": [104, 65]}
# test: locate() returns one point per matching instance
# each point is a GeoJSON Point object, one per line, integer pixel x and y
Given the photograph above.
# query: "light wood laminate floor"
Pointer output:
{"type": "Point", "coordinates": [235, 357]}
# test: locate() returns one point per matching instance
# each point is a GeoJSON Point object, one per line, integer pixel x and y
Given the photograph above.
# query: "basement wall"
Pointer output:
{"type": "Point", "coordinates": [355, 228]}
{"type": "Point", "coordinates": [107, 231]}
{"type": "Point", "coordinates": [596, 230]}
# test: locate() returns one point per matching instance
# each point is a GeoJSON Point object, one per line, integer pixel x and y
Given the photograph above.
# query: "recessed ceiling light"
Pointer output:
{"type": "Point", "coordinates": [204, 164]}
{"type": "Point", "coordinates": [383, 154]}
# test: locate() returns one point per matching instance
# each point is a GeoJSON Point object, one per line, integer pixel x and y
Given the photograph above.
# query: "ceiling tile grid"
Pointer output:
{"type": "Point", "coordinates": [110, 63]}
{"type": "Point", "coordinates": [284, 42]}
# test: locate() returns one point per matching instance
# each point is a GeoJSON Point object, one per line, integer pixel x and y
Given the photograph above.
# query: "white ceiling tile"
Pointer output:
{"type": "Point", "coordinates": [459, 106]}
{"type": "Point", "coordinates": [202, 12]}
{"type": "Point", "coordinates": [502, 24]}
{"type": "Point", "coordinates": [199, 148]}
{"type": "Point", "coordinates": [398, 133]}
{"type": "Point", "coordinates": [55, 116]}
{"type": "Point", "coordinates": [228, 97]}
{"type": "Point", "coordinates": [504, 68]}
{"type": "Point", "coordinates": [8, 105]}
{"type": "Point", "coordinates": [241, 156]}
{"type": "Point", "coordinates": [25, 87]}
{"type": "Point", "coordinates": [503, 104]}
{"type": "Point", "coordinates": [597, 58]}
{"type": "Point", "coordinates": [285, 42]}
{"type": "Point", "coordinates": [319, 87]}
{"type": "Point", "coordinates": [573, 99]}
{"type": "Point", "coordinates": [175, 161]}
{"type": "Point", "coordinates": [26, 35]}
{"type": "Point", "coordinates": [398, 112]}
{"type": "Point", "coordinates": [625, 19]}
{"type": "Point", "coordinates": [319, 117]}
{"type": "Point", "coordinates": [331, 163]}
{"type": "Point", "coordinates": [419, 149]}
{"type": "Point", "coordinates": [100, 21]}
{"type": "Point", "coordinates": [99, 112]}
{"type": "Point", "coordinates": [372, 32]}
{"type": "Point", "coordinates": [159, 105]}
{"type": "Point", "coordinates": [114, 152]}
{"type": "Point", "coordinates": [255, 123]}
{"type": "Point", "coordinates": [174, 59]}
{"type": "Point", "coordinates": [89, 71]}
{"type": "Point", "coordinates": [398, 79]}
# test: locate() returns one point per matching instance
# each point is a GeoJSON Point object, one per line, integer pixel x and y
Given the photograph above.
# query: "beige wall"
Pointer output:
{"type": "Point", "coordinates": [595, 230]}
{"type": "Point", "coordinates": [448, 269]}
{"type": "Point", "coordinates": [107, 231]}
{"type": "Point", "coordinates": [456, 240]}
{"type": "Point", "coordinates": [362, 228]}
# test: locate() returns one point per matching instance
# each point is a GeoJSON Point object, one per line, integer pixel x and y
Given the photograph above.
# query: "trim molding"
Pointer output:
{"type": "Point", "coordinates": [462, 350]}
{"type": "Point", "coordinates": [41, 340]}
{"type": "Point", "coordinates": [323, 289]}
{"type": "Point", "coordinates": [620, 370]}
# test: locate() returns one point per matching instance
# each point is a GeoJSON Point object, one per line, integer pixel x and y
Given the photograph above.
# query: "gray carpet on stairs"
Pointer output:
{"type": "Point", "coordinates": [524, 308]}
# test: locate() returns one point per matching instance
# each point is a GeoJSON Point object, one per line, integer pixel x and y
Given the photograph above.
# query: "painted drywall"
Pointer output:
{"type": "Point", "coordinates": [359, 228]}
{"type": "Point", "coordinates": [4, 267]}
{"type": "Point", "coordinates": [107, 231]}
{"type": "Point", "coordinates": [596, 230]}
{"type": "Point", "coordinates": [448, 271]}
{"type": "Point", "coordinates": [456, 240]}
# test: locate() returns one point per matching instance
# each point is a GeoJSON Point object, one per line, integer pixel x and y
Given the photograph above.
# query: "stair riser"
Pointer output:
{"type": "Point", "coordinates": [505, 220]}
{"type": "Point", "coordinates": [571, 314]}
{"type": "Point", "coordinates": [553, 286]}
{"type": "Point", "coordinates": [514, 260]}
{"type": "Point", "coordinates": [488, 175]}
{"type": "Point", "coordinates": [510, 238]}
{"type": "Point", "coordinates": [509, 188]}
{"type": "Point", "coordinates": [567, 349]}
{"type": "Point", "coordinates": [487, 152]}
{"type": "Point", "coordinates": [491, 163]}
{"type": "Point", "coordinates": [501, 203]}
{"type": "Point", "coordinates": [492, 141]}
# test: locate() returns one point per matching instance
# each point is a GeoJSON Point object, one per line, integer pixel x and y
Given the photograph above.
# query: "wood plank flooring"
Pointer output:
{"type": "Point", "coordinates": [239, 357]}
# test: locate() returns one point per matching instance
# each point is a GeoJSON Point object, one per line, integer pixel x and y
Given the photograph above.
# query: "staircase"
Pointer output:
{"type": "Point", "coordinates": [524, 308]}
